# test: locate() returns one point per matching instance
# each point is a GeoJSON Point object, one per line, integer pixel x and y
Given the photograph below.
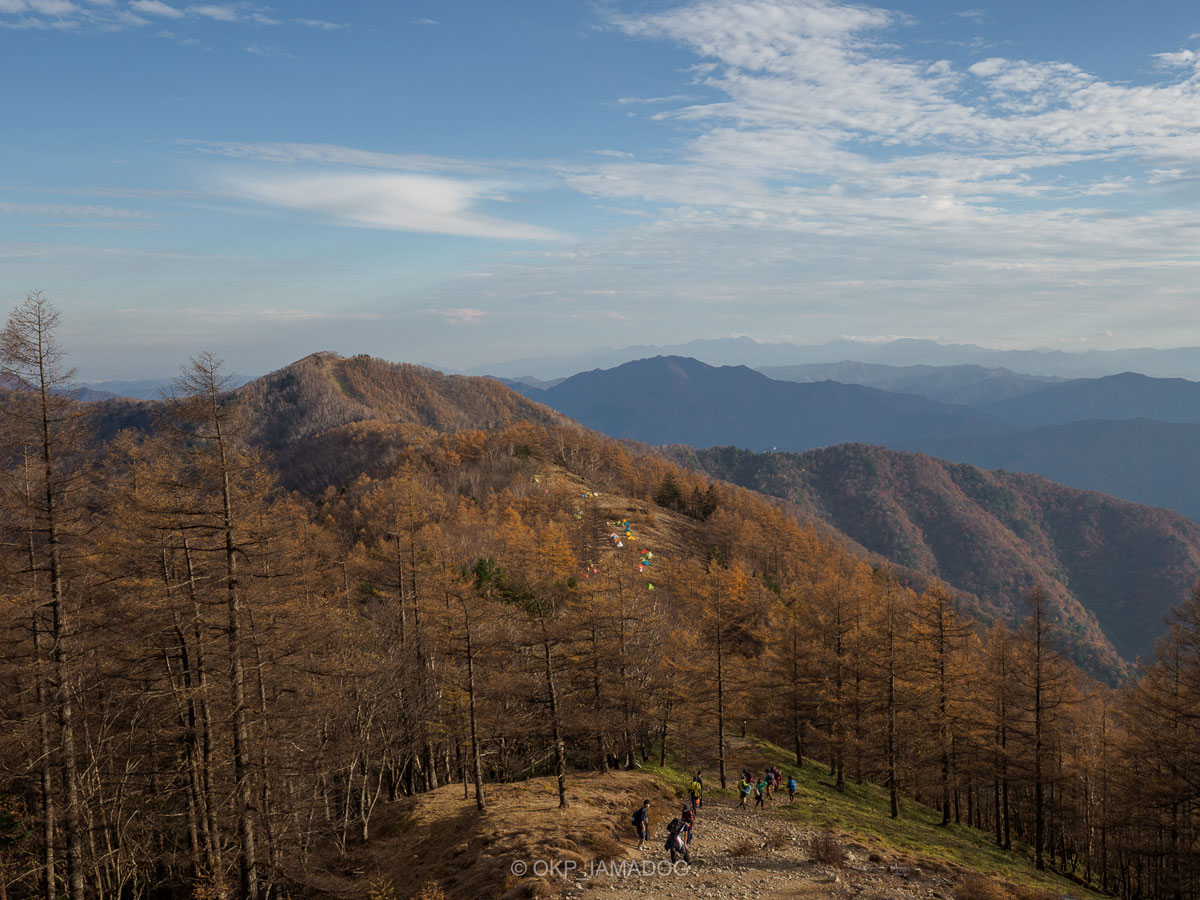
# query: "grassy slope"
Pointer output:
{"type": "Point", "coordinates": [860, 812]}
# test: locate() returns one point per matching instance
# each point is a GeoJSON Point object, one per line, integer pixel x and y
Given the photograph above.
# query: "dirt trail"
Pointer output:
{"type": "Point", "coordinates": [742, 855]}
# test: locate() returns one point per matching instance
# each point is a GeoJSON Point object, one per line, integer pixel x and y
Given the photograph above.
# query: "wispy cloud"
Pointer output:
{"type": "Point", "coordinates": [366, 188]}
{"type": "Point", "coordinates": [458, 315]}
{"type": "Point", "coordinates": [821, 122]}
{"type": "Point", "coordinates": [112, 15]}
{"type": "Point", "coordinates": [318, 23]}
{"type": "Point", "coordinates": [55, 210]}
{"type": "Point", "coordinates": [268, 51]}
{"type": "Point", "coordinates": [336, 155]}
{"type": "Point", "coordinates": [833, 173]}
{"type": "Point", "coordinates": [387, 200]}
{"type": "Point", "coordinates": [674, 98]}
{"type": "Point", "coordinates": [157, 8]}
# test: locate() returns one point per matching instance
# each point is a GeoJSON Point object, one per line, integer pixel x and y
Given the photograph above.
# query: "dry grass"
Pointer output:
{"type": "Point", "coordinates": [776, 840]}
{"type": "Point", "coordinates": [973, 886]}
{"type": "Point", "coordinates": [1029, 892]}
{"type": "Point", "coordinates": [381, 888]}
{"type": "Point", "coordinates": [441, 841]}
{"type": "Point", "coordinates": [827, 849]}
{"type": "Point", "coordinates": [743, 847]}
{"type": "Point", "coordinates": [980, 887]}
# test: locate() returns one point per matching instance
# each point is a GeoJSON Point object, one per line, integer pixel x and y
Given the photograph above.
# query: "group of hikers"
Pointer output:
{"type": "Point", "coordinates": [679, 829]}
{"type": "Point", "coordinates": [765, 787]}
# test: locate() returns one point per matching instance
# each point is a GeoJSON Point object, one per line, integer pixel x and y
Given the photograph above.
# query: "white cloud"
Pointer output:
{"type": "Point", "coordinates": [157, 8]}
{"type": "Point", "coordinates": [108, 16]}
{"type": "Point", "coordinates": [333, 154]}
{"type": "Point", "coordinates": [821, 122]}
{"type": "Point", "coordinates": [53, 7]}
{"type": "Point", "coordinates": [833, 175]}
{"type": "Point", "coordinates": [318, 23]}
{"type": "Point", "coordinates": [424, 21]}
{"type": "Point", "coordinates": [387, 200]}
{"type": "Point", "coordinates": [212, 11]}
{"type": "Point", "coordinates": [458, 315]}
{"type": "Point", "coordinates": [1179, 59]}
{"type": "Point", "coordinates": [674, 98]}
{"type": "Point", "coordinates": [268, 51]}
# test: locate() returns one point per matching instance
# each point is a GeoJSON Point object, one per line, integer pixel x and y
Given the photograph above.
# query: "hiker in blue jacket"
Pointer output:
{"type": "Point", "coordinates": [641, 823]}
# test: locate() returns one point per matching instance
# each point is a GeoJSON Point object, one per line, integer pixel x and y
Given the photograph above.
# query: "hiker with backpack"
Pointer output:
{"type": "Point", "coordinates": [694, 793]}
{"type": "Point", "coordinates": [699, 779]}
{"type": "Point", "coordinates": [743, 787]}
{"type": "Point", "coordinates": [675, 842]}
{"type": "Point", "coordinates": [641, 823]}
{"type": "Point", "coordinates": [689, 822]}
{"type": "Point", "coordinates": [791, 789]}
{"type": "Point", "coordinates": [760, 791]}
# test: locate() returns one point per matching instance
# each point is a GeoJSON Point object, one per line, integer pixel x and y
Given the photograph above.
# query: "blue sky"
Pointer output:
{"type": "Point", "coordinates": [463, 182]}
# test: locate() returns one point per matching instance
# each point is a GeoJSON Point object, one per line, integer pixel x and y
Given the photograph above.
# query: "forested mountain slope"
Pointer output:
{"type": "Point", "coordinates": [324, 390]}
{"type": "Point", "coordinates": [326, 420]}
{"type": "Point", "coordinates": [211, 685]}
{"type": "Point", "coordinates": [1156, 463]}
{"type": "Point", "coordinates": [1118, 566]}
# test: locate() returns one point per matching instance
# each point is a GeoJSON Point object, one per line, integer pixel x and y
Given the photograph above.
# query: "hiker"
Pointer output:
{"type": "Point", "coordinates": [694, 792]}
{"type": "Point", "coordinates": [675, 842]}
{"type": "Point", "coordinates": [791, 789]}
{"type": "Point", "coordinates": [743, 786]}
{"type": "Point", "coordinates": [641, 823]}
{"type": "Point", "coordinates": [689, 821]}
{"type": "Point", "coordinates": [699, 779]}
{"type": "Point", "coordinates": [760, 790]}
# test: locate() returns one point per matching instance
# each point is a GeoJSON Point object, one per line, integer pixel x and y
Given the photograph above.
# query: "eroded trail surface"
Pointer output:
{"type": "Point", "coordinates": [742, 855]}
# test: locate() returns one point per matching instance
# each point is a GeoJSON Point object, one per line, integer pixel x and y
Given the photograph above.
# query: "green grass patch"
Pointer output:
{"type": "Point", "coordinates": [861, 811]}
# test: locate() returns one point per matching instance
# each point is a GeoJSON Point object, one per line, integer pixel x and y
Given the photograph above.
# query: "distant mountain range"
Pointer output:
{"type": "Point", "coordinates": [140, 389]}
{"type": "Point", "coordinates": [1134, 437]}
{"type": "Point", "coordinates": [946, 384]}
{"type": "Point", "coordinates": [677, 400]}
{"type": "Point", "coordinates": [1181, 362]}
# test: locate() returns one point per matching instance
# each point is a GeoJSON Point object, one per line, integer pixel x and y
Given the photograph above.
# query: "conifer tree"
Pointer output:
{"type": "Point", "coordinates": [46, 422]}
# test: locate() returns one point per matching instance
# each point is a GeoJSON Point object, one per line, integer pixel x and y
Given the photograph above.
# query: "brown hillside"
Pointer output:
{"type": "Point", "coordinates": [331, 399]}
{"type": "Point", "coordinates": [324, 390]}
{"type": "Point", "coordinates": [1115, 568]}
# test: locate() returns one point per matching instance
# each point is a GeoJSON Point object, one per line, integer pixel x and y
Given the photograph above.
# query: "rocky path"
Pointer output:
{"type": "Point", "coordinates": [742, 855]}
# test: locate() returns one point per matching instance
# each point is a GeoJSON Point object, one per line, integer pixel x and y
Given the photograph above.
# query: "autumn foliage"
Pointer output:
{"type": "Point", "coordinates": [211, 684]}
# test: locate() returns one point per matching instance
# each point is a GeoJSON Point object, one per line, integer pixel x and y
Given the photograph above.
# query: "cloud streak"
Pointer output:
{"type": "Point", "coordinates": [386, 200]}
{"type": "Point", "coordinates": [111, 15]}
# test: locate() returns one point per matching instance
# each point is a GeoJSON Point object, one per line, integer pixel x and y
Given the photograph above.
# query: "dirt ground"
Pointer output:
{"type": "Point", "coordinates": [743, 855]}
